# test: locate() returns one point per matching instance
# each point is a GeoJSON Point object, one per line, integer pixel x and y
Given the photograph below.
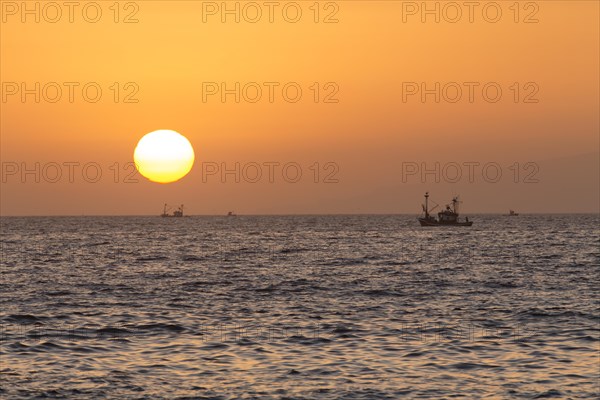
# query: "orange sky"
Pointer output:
{"type": "Point", "coordinates": [369, 54]}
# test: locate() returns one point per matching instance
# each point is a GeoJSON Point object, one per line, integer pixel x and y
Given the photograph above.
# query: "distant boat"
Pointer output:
{"type": "Point", "coordinates": [511, 213]}
{"type": "Point", "coordinates": [231, 214]}
{"type": "Point", "coordinates": [448, 217]}
{"type": "Point", "coordinates": [176, 213]}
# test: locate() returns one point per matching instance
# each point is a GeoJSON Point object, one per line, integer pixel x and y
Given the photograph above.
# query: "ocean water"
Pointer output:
{"type": "Point", "coordinates": [300, 307]}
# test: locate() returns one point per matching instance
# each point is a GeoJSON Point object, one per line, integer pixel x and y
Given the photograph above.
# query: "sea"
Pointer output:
{"type": "Point", "coordinates": [300, 307]}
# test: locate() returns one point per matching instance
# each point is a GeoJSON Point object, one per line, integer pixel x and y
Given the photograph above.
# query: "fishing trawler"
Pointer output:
{"type": "Point", "coordinates": [231, 214]}
{"type": "Point", "coordinates": [176, 213]}
{"type": "Point", "coordinates": [512, 213]}
{"type": "Point", "coordinates": [448, 217]}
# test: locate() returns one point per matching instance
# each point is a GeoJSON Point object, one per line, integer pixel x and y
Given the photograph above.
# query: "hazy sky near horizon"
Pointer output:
{"type": "Point", "coordinates": [336, 107]}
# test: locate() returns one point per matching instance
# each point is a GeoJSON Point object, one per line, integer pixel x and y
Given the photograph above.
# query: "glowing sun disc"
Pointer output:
{"type": "Point", "coordinates": [164, 156]}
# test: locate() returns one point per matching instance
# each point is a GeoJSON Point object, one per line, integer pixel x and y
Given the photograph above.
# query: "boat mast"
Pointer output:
{"type": "Point", "coordinates": [426, 205]}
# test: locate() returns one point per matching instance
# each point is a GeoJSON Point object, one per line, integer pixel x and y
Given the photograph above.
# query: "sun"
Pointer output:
{"type": "Point", "coordinates": [164, 156]}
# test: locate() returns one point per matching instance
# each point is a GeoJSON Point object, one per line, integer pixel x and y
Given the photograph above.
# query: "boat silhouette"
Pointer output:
{"type": "Point", "coordinates": [177, 213]}
{"type": "Point", "coordinates": [448, 217]}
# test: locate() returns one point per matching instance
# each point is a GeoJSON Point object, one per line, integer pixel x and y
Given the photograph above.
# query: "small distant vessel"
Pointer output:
{"type": "Point", "coordinates": [231, 214]}
{"type": "Point", "coordinates": [177, 213]}
{"type": "Point", "coordinates": [448, 217]}
{"type": "Point", "coordinates": [511, 213]}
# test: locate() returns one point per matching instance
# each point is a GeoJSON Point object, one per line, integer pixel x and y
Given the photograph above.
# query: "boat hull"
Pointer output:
{"type": "Point", "coordinates": [430, 222]}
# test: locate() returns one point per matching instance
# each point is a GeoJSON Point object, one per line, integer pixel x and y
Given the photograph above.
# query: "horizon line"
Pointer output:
{"type": "Point", "coordinates": [597, 213]}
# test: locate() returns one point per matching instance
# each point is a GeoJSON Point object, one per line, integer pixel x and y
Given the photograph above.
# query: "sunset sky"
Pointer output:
{"type": "Point", "coordinates": [363, 130]}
